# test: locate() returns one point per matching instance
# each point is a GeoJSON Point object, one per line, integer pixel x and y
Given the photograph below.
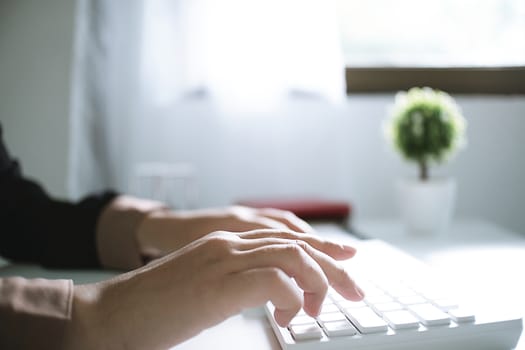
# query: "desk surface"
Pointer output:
{"type": "Point", "coordinates": [473, 250]}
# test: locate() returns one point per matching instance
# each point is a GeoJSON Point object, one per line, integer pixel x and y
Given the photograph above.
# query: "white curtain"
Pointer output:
{"type": "Point", "coordinates": [134, 57]}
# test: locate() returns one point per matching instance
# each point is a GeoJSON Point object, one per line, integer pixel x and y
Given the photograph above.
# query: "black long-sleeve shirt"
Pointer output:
{"type": "Point", "coordinates": [37, 228]}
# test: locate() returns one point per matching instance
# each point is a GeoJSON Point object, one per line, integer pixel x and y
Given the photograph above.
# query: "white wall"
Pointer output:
{"type": "Point", "coordinates": [35, 59]}
{"type": "Point", "coordinates": [306, 148]}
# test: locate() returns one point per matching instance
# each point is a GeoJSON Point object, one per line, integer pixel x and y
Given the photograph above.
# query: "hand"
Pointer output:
{"type": "Point", "coordinates": [164, 231]}
{"type": "Point", "coordinates": [204, 283]}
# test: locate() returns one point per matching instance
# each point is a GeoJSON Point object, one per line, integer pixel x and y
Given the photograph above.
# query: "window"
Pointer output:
{"type": "Point", "coordinates": [459, 46]}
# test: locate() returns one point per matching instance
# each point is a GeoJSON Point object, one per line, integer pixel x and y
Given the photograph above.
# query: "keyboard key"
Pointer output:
{"type": "Point", "coordinates": [338, 328]}
{"type": "Point", "coordinates": [445, 304]}
{"type": "Point", "coordinates": [399, 290]}
{"type": "Point", "coordinates": [335, 297]}
{"type": "Point", "coordinates": [461, 315]}
{"type": "Point", "coordinates": [371, 290]}
{"type": "Point", "coordinates": [302, 319]}
{"type": "Point", "coordinates": [302, 313]}
{"type": "Point", "coordinates": [366, 320]}
{"type": "Point", "coordinates": [401, 319]}
{"type": "Point", "coordinates": [430, 315]}
{"type": "Point", "coordinates": [433, 292]}
{"type": "Point", "coordinates": [329, 308]}
{"type": "Point", "coordinates": [412, 300]}
{"type": "Point", "coordinates": [347, 304]}
{"type": "Point", "coordinates": [376, 299]}
{"type": "Point", "coordinates": [306, 331]}
{"type": "Point", "coordinates": [383, 307]}
{"type": "Point", "coordinates": [330, 317]}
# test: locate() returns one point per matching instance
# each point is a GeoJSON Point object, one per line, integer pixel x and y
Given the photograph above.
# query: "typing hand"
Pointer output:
{"type": "Point", "coordinates": [164, 231]}
{"type": "Point", "coordinates": [207, 281]}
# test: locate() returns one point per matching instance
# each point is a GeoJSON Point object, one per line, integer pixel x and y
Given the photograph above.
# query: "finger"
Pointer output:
{"type": "Point", "coordinates": [287, 218]}
{"type": "Point", "coordinates": [337, 276]}
{"type": "Point", "coordinates": [254, 287]}
{"type": "Point", "coordinates": [295, 262]}
{"type": "Point", "coordinates": [335, 250]}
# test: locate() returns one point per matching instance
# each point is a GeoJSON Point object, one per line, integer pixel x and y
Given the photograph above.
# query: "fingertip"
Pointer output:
{"type": "Point", "coordinates": [313, 304]}
{"type": "Point", "coordinates": [359, 291]}
{"type": "Point", "coordinates": [349, 250]}
{"type": "Point", "coordinates": [283, 317]}
{"type": "Point", "coordinates": [355, 293]}
{"type": "Point", "coordinates": [348, 288]}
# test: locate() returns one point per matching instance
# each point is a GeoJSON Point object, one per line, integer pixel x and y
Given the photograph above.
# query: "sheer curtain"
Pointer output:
{"type": "Point", "coordinates": [135, 58]}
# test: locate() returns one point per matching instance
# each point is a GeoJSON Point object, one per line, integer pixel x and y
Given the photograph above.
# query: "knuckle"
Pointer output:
{"type": "Point", "coordinates": [289, 215]}
{"type": "Point", "coordinates": [220, 243]}
{"type": "Point", "coordinates": [234, 215]}
{"type": "Point", "coordinates": [240, 212]}
{"type": "Point", "coordinates": [303, 245]}
{"type": "Point", "coordinates": [294, 250]}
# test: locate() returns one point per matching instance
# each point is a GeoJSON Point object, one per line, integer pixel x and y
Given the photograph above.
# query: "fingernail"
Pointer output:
{"type": "Point", "coordinates": [359, 291]}
{"type": "Point", "coordinates": [347, 248]}
{"type": "Point", "coordinates": [318, 311]}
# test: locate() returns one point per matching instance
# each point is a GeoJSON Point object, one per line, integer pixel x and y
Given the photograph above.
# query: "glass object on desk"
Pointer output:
{"type": "Point", "coordinates": [170, 183]}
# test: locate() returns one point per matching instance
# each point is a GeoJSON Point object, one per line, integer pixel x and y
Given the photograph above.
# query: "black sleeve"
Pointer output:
{"type": "Point", "coordinates": [37, 228]}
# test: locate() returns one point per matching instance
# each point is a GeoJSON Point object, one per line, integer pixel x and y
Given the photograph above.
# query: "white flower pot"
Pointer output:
{"type": "Point", "coordinates": [426, 206]}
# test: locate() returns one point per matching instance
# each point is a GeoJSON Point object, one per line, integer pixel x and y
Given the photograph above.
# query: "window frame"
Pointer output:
{"type": "Point", "coordinates": [464, 80]}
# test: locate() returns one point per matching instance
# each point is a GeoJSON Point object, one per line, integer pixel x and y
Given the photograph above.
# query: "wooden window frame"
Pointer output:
{"type": "Point", "coordinates": [464, 80]}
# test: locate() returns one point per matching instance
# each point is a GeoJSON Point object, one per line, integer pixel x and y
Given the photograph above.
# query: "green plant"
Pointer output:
{"type": "Point", "coordinates": [426, 126]}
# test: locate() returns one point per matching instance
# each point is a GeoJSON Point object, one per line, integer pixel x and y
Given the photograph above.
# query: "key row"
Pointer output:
{"type": "Point", "coordinates": [366, 320]}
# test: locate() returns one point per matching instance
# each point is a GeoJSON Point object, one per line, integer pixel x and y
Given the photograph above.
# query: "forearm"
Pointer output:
{"type": "Point", "coordinates": [131, 311]}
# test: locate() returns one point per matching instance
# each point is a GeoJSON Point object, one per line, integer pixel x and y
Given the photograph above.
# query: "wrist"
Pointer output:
{"type": "Point", "coordinates": [156, 234]}
{"type": "Point", "coordinates": [117, 228]}
{"type": "Point", "coordinates": [84, 330]}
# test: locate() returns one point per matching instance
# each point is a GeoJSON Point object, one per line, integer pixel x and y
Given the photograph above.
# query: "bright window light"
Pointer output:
{"type": "Point", "coordinates": [442, 33]}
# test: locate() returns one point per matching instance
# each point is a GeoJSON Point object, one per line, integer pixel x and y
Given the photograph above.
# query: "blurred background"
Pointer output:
{"type": "Point", "coordinates": [247, 100]}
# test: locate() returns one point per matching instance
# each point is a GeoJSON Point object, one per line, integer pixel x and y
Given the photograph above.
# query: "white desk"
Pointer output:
{"type": "Point", "coordinates": [490, 258]}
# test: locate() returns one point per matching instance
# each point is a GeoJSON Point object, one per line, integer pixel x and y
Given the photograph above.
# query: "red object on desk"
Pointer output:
{"type": "Point", "coordinates": [309, 209]}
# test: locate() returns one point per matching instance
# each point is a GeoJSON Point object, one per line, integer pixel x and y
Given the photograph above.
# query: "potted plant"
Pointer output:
{"type": "Point", "coordinates": [426, 127]}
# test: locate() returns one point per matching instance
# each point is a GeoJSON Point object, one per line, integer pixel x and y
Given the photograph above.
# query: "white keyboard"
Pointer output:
{"type": "Point", "coordinates": [405, 307]}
